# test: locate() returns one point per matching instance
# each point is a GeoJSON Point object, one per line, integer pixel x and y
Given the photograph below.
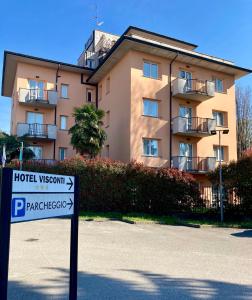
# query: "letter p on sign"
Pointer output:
{"type": "Point", "coordinates": [18, 207]}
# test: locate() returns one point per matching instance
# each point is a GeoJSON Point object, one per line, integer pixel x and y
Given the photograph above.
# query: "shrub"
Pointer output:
{"type": "Point", "coordinates": [107, 185]}
{"type": "Point", "coordinates": [237, 176]}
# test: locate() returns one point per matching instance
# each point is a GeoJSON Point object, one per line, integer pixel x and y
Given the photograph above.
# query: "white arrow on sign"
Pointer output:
{"type": "Point", "coordinates": [23, 181]}
{"type": "Point", "coordinates": [27, 207]}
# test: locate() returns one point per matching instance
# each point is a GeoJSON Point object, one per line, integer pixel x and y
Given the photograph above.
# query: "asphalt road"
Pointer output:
{"type": "Point", "coordinates": [123, 261]}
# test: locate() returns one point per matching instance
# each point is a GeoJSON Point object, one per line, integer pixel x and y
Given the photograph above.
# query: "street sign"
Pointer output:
{"type": "Point", "coordinates": [40, 196]}
{"type": "Point", "coordinates": [27, 207]}
{"type": "Point", "coordinates": [41, 183]}
{"type": "Point", "coordinates": [29, 196]}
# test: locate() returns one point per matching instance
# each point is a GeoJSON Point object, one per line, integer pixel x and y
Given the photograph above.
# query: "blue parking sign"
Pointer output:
{"type": "Point", "coordinates": [18, 207]}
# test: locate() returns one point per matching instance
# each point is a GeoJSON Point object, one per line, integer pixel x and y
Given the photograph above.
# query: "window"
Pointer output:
{"type": "Point", "coordinates": [37, 150]}
{"type": "Point", "coordinates": [90, 63]}
{"type": "Point", "coordinates": [107, 85]}
{"type": "Point", "coordinates": [107, 118]}
{"type": "Point", "coordinates": [100, 92]}
{"type": "Point", "coordinates": [185, 74]}
{"type": "Point", "coordinates": [150, 108]}
{"type": "Point", "coordinates": [107, 150]}
{"type": "Point", "coordinates": [150, 147]}
{"type": "Point", "coordinates": [150, 70]}
{"type": "Point", "coordinates": [188, 76]}
{"type": "Point", "coordinates": [218, 85]}
{"type": "Point", "coordinates": [219, 117]}
{"type": "Point", "coordinates": [34, 118]}
{"type": "Point", "coordinates": [219, 153]}
{"type": "Point", "coordinates": [64, 91]}
{"type": "Point", "coordinates": [63, 122]}
{"type": "Point", "coordinates": [89, 95]}
{"type": "Point", "coordinates": [36, 90]}
{"type": "Point", "coordinates": [62, 153]}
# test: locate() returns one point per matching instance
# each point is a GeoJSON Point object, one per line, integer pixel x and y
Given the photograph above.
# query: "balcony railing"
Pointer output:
{"type": "Point", "coordinates": [194, 164]}
{"type": "Point", "coordinates": [38, 131]}
{"type": "Point", "coordinates": [38, 97]}
{"type": "Point", "coordinates": [194, 126]}
{"type": "Point", "coordinates": [194, 89]}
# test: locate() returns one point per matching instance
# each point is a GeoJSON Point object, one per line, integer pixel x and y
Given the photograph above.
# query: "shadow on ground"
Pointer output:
{"type": "Point", "coordinates": [153, 286]}
{"type": "Point", "coordinates": [245, 233]}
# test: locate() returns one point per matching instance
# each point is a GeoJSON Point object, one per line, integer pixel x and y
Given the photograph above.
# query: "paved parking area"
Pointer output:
{"type": "Point", "coordinates": [123, 261]}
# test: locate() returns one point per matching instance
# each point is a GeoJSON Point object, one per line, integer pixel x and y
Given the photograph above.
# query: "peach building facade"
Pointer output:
{"type": "Point", "coordinates": [162, 100]}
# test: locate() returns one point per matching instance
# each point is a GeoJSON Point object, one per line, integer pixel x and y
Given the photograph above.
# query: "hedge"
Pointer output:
{"type": "Point", "coordinates": [107, 185]}
{"type": "Point", "coordinates": [237, 177]}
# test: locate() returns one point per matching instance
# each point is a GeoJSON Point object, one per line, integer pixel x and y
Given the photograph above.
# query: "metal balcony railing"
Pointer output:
{"type": "Point", "coordinates": [196, 86]}
{"type": "Point", "coordinates": [195, 89]}
{"type": "Point", "coordinates": [193, 125]}
{"type": "Point", "coordinates": [38, 130]}
{"type": "Point", "coordinates": [38, 96]}
{"type": "Point", "coordinates": [194, 164]}
{"type": "Point", "coordinates": [35, 130]}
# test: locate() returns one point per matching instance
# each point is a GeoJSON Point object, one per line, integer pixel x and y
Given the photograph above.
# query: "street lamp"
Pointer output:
{"type": "Point", "coordinates": [214, 132]}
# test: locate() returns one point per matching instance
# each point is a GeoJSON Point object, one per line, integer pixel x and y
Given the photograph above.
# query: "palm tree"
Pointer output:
{"type": "Point", "coordinates": [88, 136]}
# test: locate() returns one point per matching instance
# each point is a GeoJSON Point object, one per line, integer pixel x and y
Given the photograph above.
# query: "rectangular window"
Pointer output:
{"type": "Point", "coordinates": [64, 91]}
{"type": "Point", "coordinates": [62, 153]}
{"type": "Point", "coordinates": [107, 118]}
{"type": "Point", "coordinates": [63, 122]}
{"type": "Point", "coordinates": [36, 90]}
{"type": "Point", "coordinates": [34, 118]}
{"type": "Point", "coordinates": [218, 85]}
{"type": "Point", "coordinates": [150, 108]}
{"type": "Point", "coordinates": [107, 85]}
{"type": "Point", "coordinates": [150, 70]}
{"type": "Point", "coordinates": [188, 76]}
{"type": "Point", "coordinates": [100, 92]}
{"type": "Point", "coordinates": [150, 147]}
{"type": "Point", "coordinates": [219, 117]}
{"type": "Point", "coordinates": [90, 63]}
{"type": "Point", "coordinates": [107, 150]}
{"type": "Point", "coordinates": [37, 150]}
{"type": "Point", "coordinates": [219, 153]}
{"type": "Point", "coordinates": [89, 95]}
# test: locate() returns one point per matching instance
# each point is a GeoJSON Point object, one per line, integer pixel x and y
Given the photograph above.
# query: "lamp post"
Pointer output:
{"type": "Point", "coordinates": [214, 132]}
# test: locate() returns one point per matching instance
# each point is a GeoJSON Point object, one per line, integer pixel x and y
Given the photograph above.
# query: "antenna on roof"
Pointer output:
{"type": "Point", "coordinates": [96, 17]}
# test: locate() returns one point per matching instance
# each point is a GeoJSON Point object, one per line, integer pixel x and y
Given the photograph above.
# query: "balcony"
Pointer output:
{"type": "Point", "coordinates": [38, 97]}
{"type": "Point", "coordinates": [194, 89]}
{"type": "Point", "coordinates": [200, 165]}
{"type": "Point", "coordinates": [195, 126]}
{"type": "Point", "coordinates": [37, 131]}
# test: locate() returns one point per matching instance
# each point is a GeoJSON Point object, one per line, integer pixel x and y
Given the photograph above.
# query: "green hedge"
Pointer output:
{"type": "Point", "coordinates": [114, 186]}
{"type": "Point", "coordinates": [237, 177]}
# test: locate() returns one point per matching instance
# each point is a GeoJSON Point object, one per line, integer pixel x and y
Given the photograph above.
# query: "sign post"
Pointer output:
{"type": "Point", "coordinates": [28, 196]}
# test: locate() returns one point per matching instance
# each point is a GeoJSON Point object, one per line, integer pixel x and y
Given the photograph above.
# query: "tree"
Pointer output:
{"type": "Point", "coordinates": [244, 119]}
{"type": "Point", "coordinates": [237, 179]}
{"type": "Point", "coordinates": [88, 136]}
{"type": "Point", "coordinates": [13, 144]}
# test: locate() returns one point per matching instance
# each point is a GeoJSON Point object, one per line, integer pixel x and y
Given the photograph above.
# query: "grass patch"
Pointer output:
{"type": "Point", "coordinates": [130, 218]}
{"type": "Point", "coordinates": [230, 224]}
{"type": "Point", "coordinates": [134, 218]}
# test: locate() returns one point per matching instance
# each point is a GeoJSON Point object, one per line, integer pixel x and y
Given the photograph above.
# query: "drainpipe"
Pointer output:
{"type": "Point", "coordinates": [55, 109]}
{"type": "Point", "coordinates": [170, 86]}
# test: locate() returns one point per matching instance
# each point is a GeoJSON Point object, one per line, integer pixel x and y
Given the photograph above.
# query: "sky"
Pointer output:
{"type": "Point", "coordinates": [58, 29]}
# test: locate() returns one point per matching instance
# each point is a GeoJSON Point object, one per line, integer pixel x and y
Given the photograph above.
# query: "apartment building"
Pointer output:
{"type": "Point", "coordinates": [162, 100]}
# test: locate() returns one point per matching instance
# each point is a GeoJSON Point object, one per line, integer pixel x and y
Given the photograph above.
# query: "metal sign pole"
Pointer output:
{"type": "Point", "coordinates": [73, 283]}
{"type": "Point", "coordinates": [5, 215]}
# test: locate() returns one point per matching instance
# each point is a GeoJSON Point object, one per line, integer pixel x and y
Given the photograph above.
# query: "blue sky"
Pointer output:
{"type": "Point", "coordinates": [58, 29]}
